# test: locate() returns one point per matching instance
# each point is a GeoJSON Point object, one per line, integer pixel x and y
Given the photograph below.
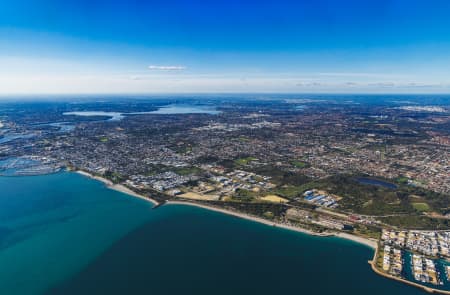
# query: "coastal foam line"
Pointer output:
{"type": "Point", "coordinates": [367, 242]}
{"type": "Point", "coordinates": [370, 243]}
{"type": "Point", "coordinates": [360, 240]}
{"type": "Point", "coordinates": [364, 241]}
{"type": "Point", "coordinates": [117, 187]}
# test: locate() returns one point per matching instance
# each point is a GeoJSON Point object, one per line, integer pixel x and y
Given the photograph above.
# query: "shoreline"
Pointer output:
{"type": "Point", "coordinates": [401, 280]}
{"type": "Point", "coordinates": [117, 187]}
{"type": "Point", "coordinates": [360, 240]}
{"type": "Point", "coordinates": [371, 244]}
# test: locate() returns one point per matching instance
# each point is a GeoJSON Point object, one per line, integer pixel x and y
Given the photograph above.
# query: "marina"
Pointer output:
{"type": "Point", "coordinates": [148, 247]}
{"type": "Point", "coordinates": [23, 166]}
{"type": "Point", "coordinates": [11, 137]}
{"type": "Point", "coordinates": [423, 262]}
{"type": "Point", "coordinates": [224, 147]}
{"type": "Point", "coordinates": [424, 270]}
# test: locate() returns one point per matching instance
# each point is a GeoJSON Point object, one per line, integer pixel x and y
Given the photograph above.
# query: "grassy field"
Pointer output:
{"type": "Point", "coordinates": [244, 195]}
{"type": "Point", "coordinates": [417, 222]}
{"type": "Point", "coordinates": [274, 199]}
{"type": "Point", "coordinates": [300, 164]}
{"type": "Point", "coordinates": [290, 191]}
{"type": "Point", "coordinates": [422, 207]}
{"type": "Point", "coordinates": [244, 161]}
{"type": "Point", "coordinates": [187, 170]}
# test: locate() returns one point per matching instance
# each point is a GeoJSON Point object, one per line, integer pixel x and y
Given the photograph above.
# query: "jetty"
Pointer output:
{"type": "Point", "coordinates": [159, 204]}
{"type": "Point", "coordinates": [373, 264]}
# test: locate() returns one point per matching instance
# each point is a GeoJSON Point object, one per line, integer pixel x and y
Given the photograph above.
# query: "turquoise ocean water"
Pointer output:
{"type": "Point", "coordinates": [52, 226]}
{"type": "Point", "coordinates": [67, 234]}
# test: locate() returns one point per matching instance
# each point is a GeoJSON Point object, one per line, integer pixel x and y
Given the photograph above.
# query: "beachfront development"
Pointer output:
{"type": "Point", "coordinates": [424, 270]}
{"type": "Point", "coordinates": [380, 180]}
{"type": "Point", "coordinates": [130, 129]}
{"type": "Point", "coordinates": [430, 243]}
{"type": "Point", "coordinates": [419, 257]}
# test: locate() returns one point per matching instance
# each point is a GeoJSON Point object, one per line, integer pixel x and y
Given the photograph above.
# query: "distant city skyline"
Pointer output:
{"type": "Point", "coordinates": [324, 46]}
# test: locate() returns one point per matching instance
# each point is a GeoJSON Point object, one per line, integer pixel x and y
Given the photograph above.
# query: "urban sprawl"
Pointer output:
{"type": "Point", "coordinates": [378, 172]}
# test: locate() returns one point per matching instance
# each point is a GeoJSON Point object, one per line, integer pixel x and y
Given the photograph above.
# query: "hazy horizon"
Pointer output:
{"type": "Point", "coordinates": [130, 47]}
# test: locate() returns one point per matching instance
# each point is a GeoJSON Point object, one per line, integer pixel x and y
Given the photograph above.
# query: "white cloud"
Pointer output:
{"type": "Point", "coordinates": [310, 84]}
{"type": "Point", "coordinates": [422, 85]}
{"type": "Point", "coordinates": [382, 84]}
{"type": "Point", "coordinates": [166, 68]}
{"type": "Point", "coordinates": [360, 75]}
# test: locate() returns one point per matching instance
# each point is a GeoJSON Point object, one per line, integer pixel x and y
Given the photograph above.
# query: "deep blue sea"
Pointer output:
{"type": "Point", "coordinates": [67, 234]}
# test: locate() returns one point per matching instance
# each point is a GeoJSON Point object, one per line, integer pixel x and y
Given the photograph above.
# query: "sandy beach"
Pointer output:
{"type": "Point", "coordinates": [386, 275]}
{"type": "Point", "coordinates": [125, 190]}
{"type": "Point", "coordinates": [370, 243]}
{"type": "Point", "coordinates": [104, 180]}
{"type": "Point", "coordinates": [364, 241]}
{"type": "Point", "coordinates": [117, 187]}
{"type": "Point", "coordinates": [245, 216]}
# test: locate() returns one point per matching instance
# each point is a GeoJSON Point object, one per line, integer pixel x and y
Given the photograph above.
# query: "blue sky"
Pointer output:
{"type": "Point", "coordinates": [346, 46]}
